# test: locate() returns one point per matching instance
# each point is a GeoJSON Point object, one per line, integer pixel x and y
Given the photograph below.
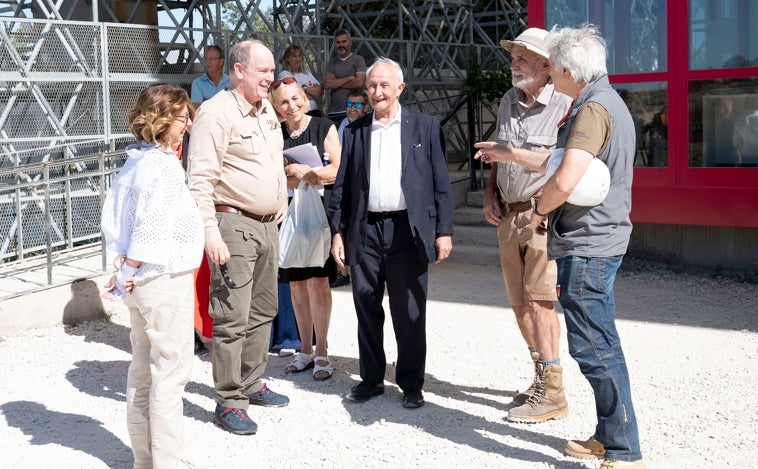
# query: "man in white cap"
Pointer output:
{"type": "Point", "coordinates": [527, 120]}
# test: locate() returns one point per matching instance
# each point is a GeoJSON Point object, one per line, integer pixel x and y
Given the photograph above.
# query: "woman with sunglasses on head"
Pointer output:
{"type": "Point", "coordinates": [292, 62]}
{"type": "Point", "coordinates": [151, 224]}
{"type": "Point", "coordinates": [311, 295]}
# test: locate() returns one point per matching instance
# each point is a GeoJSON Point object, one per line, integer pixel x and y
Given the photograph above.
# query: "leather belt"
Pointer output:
{"type": "Point", "coordinates": [261, 218]}
{"type": "Point", "coordinates": [374, 216]}
{"type": "Point", "coordinates": [518, 207]}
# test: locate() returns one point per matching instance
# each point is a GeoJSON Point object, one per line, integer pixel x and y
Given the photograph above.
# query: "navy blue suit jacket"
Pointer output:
{"type": "Point", "coordinates": [424, 181]}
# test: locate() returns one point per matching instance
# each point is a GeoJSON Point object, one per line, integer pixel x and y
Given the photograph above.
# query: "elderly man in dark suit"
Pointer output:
{"type": "Point", "coordinates": [391, 215]}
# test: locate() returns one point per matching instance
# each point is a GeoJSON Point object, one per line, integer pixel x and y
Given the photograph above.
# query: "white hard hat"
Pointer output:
{"type": "Point", "coordinates": [591, 188]}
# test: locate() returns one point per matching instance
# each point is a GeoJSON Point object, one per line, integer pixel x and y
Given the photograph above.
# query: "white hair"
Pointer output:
{"type": "Point", "coordinates": [385, 60]}
{"type": "Point", "coordinates": [581, 50]}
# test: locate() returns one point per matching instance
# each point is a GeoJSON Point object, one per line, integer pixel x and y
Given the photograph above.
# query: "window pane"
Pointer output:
{"type": "Point", "coordinates": [723, 122]}
{"type": "Point", "coordinates": [634, 29]}
{"type": "Point", "coordinates": [647, 104]}
{"type": "Point", "coordinates": [723, 34]}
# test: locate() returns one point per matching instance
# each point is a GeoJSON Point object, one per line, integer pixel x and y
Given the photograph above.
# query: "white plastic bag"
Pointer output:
{"type": "Point", "coordinates": [304, 237]}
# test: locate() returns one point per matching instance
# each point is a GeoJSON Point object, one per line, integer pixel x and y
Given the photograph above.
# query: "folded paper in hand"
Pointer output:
{"type": "Point", "coordinates": [306, 154]}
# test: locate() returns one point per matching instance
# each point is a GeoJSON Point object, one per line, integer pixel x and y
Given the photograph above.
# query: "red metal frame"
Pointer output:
{"type": "Point", "coordinates": [679, 194]}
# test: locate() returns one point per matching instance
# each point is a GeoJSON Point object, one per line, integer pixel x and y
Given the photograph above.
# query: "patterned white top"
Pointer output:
{"type": "Point", "coordinates": [150, 216]}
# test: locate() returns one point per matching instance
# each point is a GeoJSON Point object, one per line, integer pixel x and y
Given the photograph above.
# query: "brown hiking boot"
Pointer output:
{"type": "Point", "coordinates": [520, 398]}
{"type": "Point", "coordinates": [547, 402]}
{"type": "Point", "coordinates": [616, 464]}
{"type": "Point", "coordinates": [589, 448]}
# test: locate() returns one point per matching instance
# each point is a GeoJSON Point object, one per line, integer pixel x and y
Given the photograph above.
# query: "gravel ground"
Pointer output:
{"type": "Point", "coordinates": [690, 342]}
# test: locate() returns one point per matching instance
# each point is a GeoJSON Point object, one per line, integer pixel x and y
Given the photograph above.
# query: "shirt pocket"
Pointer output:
{"type": "Point", "coordinates": [243, 143]}
{"type": "Point", "coordinates": [542, 142]}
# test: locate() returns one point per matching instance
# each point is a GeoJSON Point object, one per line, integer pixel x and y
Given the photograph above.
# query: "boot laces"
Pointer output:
{"type": "Point", "coordinates": [540, 391]}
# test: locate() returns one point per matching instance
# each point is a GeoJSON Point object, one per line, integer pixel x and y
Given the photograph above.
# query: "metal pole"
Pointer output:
{"type": "Point", "coordinates": [48, 224]}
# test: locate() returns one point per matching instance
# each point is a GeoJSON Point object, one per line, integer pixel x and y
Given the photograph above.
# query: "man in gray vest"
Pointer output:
{"type": "Point", "coordinates": [588, 243]}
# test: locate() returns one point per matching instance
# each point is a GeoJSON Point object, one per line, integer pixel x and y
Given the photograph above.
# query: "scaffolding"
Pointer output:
{"type": "Point", "coordinates": [70, 69]}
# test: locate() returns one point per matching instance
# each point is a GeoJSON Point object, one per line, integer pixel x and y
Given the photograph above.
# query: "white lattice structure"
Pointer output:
{"type": "Point", "coordinates": [69, 69]}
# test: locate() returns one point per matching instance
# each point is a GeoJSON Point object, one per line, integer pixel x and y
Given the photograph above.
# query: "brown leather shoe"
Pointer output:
{"type": "Point", "coordinates": [589, 448]}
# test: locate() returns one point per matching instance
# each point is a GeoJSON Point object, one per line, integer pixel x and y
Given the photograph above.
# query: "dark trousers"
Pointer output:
{"type": "Point", "coordinates": [391, 259]}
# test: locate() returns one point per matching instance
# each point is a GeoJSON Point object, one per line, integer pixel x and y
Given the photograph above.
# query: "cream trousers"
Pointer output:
{"type": "Point", "coordinates": [161, 312]}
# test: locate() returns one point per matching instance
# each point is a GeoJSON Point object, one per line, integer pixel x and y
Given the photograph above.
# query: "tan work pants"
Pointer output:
{"type": "Point", "coordinates": [162, 339]}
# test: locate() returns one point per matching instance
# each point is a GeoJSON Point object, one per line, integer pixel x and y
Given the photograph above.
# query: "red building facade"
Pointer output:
{"type": "Point", "coordinates": [688, 71]}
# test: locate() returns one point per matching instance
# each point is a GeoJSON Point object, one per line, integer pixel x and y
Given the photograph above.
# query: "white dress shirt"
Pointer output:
{"type": "Point", "coordinates": [385, 193]}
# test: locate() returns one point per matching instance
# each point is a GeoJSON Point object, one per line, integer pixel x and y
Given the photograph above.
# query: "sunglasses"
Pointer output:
{"type": "Point", "coordinates": [227, 279]}
{"type": "Point", "coordinates": [283, 81]}
{"type": "Point", "coordinates": [355, 105]}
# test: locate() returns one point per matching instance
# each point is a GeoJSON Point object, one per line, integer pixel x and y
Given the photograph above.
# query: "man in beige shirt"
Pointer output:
{"type": "Point", "coordinates": [528, 114]}
{"type": "Point", "coordinates": [237, 178]}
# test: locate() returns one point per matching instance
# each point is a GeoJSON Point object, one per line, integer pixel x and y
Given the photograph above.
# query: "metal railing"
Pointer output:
{"type": "Point", "coordinates": [54, 207]}
{"type": "Point", "coordinates": [65, 88]}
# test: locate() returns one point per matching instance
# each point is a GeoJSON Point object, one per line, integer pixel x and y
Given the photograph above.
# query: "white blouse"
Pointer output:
{"type": "Point", "coordinates": [150, 216]}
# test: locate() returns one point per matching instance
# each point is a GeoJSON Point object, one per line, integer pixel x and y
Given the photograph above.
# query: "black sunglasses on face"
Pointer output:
{"type": "Point", "coordinates": [355, 105]}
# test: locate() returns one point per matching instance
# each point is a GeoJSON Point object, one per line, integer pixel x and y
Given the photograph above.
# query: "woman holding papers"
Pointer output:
{"type": "Point", "coordinates": [311, 295]}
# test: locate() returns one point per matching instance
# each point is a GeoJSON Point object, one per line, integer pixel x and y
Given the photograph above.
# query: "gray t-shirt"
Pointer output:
{"type": "Point", "coordinates": [348, 67]}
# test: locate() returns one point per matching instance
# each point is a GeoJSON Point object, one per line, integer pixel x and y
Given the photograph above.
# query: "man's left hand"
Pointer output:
{"type": "Point", "coordinates": [443, 245]}
{"type": "Point", "coordinates": [539, 224]}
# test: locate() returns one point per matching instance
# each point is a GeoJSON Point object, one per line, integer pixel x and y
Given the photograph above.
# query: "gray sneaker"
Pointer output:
{"type": "Point", "coordinates": [268, 398]}
{"type": "Point", "coordinates": [234, 420]}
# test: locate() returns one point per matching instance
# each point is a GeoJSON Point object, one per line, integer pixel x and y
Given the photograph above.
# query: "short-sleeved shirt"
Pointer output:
{"type": "Point", "coordinates": [204, 89]}
{"type": "Point", "coordinates": [303, 79]}
{"type": "Point", "coordinates": [591, 130]}
{"type": "Point", "coordinates": [351, 66]}
{"type": "Point", "coordinates": [235, 158]}
{"type": "Point", "coordinates": [532, 128]}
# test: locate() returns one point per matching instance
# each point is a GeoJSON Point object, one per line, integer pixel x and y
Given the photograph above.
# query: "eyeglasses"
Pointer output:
{"type": "Point", "coordinates": [185, 118]}
{"type": "Point", "coordinates": [285, 81]}
{"type": "Point", "coordinates": [355, 105]}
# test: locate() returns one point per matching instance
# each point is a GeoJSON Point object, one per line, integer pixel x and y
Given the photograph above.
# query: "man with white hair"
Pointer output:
{"type": "Point", "coordinates": [589, 243]}
{"type": "Point", "coordinates": [528, 115]}
{"type": "Point", "coordinates": [391, 213]}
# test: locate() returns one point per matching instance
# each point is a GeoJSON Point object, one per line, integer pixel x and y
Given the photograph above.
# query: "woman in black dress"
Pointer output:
{"type": "Point", "coordinates": [311, 295]}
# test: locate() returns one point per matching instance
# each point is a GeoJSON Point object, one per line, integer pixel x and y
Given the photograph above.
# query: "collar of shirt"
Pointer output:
{"type": "Point", "coordinates": [543, 98]}
{"type": "Point", "coordinates": [245, 107]}
{"type": "Point", "coordinates": [376, 123]}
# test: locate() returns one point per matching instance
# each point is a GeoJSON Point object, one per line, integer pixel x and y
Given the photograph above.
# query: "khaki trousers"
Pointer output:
{"type": "Point", "coordinates": [242, 316]}
{"type": "Point", "coordinates": [161, 312]}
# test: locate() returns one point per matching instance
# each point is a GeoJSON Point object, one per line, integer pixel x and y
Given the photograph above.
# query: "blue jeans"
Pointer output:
{"type": "Point", "coordinates": [590, 311]}
{"type": "Point", "coordinates": [284, 332]}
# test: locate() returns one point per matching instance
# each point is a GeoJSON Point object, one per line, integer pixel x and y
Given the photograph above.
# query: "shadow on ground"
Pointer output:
{"type": "Point", "coordinates": [75, 431]}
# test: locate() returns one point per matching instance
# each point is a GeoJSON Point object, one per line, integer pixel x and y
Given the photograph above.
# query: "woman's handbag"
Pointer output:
{"type": "Point", "coordinates": [304, 237]}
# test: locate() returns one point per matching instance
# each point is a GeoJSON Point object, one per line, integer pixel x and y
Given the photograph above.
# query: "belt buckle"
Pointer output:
{"type": "Point", "coordinates": [268, 218]}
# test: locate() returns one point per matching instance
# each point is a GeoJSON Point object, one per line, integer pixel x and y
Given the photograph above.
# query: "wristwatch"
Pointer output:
{"type": "Point", "coordinates": [537, 212]}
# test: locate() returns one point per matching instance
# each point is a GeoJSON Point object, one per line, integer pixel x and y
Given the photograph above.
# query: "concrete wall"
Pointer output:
{"type": "Point", "coordinates": [66, 304]}
{"type": "Point", "coordinates": [703, 246]}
